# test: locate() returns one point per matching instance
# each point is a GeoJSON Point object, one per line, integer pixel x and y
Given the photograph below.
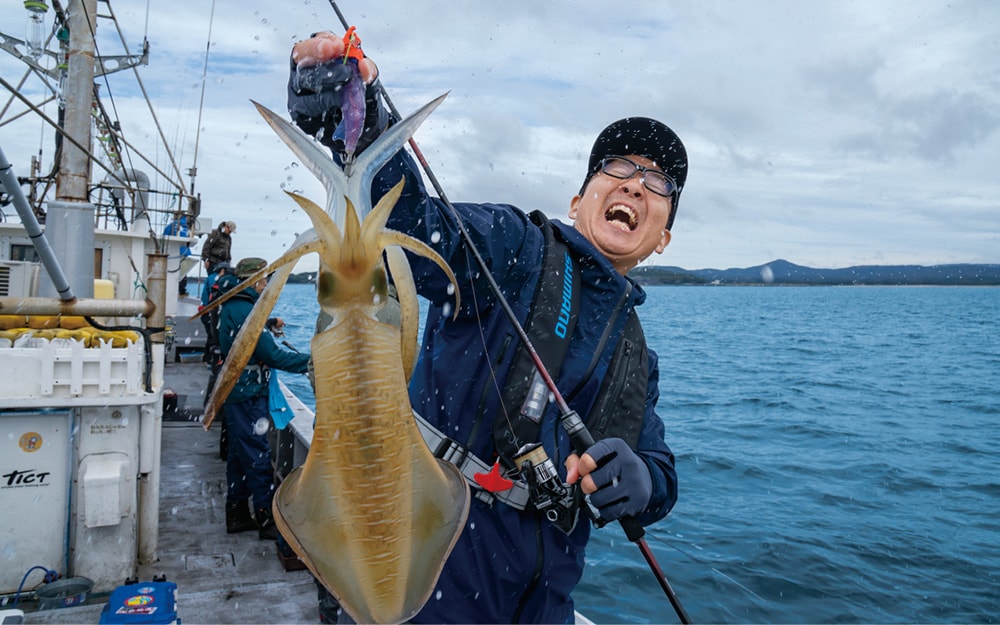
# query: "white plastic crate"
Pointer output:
{"type": "Point", "coordinates": [55, 372]}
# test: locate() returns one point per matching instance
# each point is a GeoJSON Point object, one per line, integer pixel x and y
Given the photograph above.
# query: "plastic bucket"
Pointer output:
{"type": "Point", "coordinates": [63, 593]}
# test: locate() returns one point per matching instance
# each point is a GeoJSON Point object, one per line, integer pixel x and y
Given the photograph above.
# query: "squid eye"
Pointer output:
{"type": "Point", "coordinates": [327, 284]}
{"type": "Point", "coordinates": [380, 285]}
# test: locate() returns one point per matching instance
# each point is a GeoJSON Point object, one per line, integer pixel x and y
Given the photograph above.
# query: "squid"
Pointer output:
{"type": "Point", "coordinates": [371, 512]}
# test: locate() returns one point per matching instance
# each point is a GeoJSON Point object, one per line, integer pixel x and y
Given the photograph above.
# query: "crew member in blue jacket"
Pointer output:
{"type": "Point", "coordinates": [248, 462]}
{"type": "Point", "coordinates": [513, 565]}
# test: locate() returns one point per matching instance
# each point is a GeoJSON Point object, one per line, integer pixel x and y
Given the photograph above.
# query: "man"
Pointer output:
{"type": "Point", "coordinates": [276, 326]}
{"type": "Point", "coordinates": [248, 463]}
{"type": "Point", "coordinates": [217, 247]}
{"type": "Point", "coordinates": [210, 290]}
{"type": "Point", "coordinates": [472, 380]}
{"type": "Point", "coordinates": [220, 279]}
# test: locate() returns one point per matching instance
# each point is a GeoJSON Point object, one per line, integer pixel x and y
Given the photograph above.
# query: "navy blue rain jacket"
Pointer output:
{"type": "Point", "coordinates": [253, 382]}
{"type": "Point", "coordinates": [511, 566]}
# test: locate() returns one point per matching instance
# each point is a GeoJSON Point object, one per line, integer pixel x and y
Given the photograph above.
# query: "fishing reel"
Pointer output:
{"type": "Point", "coordinates": [557, 500]}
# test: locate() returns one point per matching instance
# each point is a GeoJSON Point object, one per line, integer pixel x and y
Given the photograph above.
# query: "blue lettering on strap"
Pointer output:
{"type": "Point", "coordinates": [567, 299]}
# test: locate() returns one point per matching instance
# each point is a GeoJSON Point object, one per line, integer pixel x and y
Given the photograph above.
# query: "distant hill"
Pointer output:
{"type": "Point", "coordinates": [784, 272]}
{"type": "Point", "coordinates": [780, 272]}
{"type": "Point", "coordinates": [307, 277]}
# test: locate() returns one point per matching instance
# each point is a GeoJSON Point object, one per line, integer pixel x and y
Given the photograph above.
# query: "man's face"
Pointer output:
{"type": "Point", "coordinates": [622, 218]}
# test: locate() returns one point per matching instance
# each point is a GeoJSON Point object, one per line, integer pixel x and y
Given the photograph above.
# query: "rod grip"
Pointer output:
{"type": "Point", "coordinates": [582, 440]}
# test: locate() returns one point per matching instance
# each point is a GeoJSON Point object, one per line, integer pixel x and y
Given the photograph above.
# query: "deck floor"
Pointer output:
{"type": "Point", "coordinates": [220, 577]}
{"type": "Point", "coordinates": [234, 578]}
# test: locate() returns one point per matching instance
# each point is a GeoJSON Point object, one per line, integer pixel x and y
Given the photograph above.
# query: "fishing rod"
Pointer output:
{"type": "Point", "coordinates": [579, 435]}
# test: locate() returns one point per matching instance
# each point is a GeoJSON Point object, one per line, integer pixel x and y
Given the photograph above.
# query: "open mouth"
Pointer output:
{"type": "Point", "coordinates": [622, 216]}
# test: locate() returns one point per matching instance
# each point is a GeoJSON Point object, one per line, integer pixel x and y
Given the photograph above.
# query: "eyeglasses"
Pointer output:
{"type": "Point", "coordinates": [653, 179]}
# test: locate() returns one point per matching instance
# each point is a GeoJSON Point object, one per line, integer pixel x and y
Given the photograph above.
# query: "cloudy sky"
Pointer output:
{"type": "Point", "coordinates": [828, 134]}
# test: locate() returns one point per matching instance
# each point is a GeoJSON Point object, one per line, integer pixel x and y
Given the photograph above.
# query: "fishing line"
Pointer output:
{"type": "Point", "coordinates": [709, 566]}
{"type": "Point", "coordinates": [571, 421]}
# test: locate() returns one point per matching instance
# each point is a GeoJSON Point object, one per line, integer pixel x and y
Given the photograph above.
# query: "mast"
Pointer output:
{"type": "Point", "coordinates": [69, 223]}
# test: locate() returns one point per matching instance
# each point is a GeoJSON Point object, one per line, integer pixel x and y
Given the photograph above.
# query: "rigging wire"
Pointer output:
{"type": "Point", "coordinates": [149, 104]}
{"type": "Point", "coordinates": [92, 25]}
{"type": "Point", "coordinates": [124, 154]}
{"type": "Point", "coordinates": [177, 182]}
{"type": "Point", "coordinates": [201, 103]}
{"type": "Point", "coordinates": [45, 79]}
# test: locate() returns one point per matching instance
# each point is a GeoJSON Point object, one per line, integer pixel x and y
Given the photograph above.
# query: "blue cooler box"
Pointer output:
{"type": "Point", "coordinates": [144, 602]}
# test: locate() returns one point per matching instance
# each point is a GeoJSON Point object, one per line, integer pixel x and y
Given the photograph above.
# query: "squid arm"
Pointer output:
{"type": "Point", "coordinates": [376, 236]}
{"type": "Point", "coordinates": [249, 334]}
{"type": "Point", "coordinates": [391, 237]}
{"type": "Point", "coordinates": [307, 239]}
{"type": "Point", "coordinates": [409, 310]}
{"type": "Point", "coordinates": [313, 156]}
{"type": "Point", "coordinates": [366, 165]}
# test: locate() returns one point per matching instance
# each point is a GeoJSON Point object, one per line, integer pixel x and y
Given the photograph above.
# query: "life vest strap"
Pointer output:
{"type": "Point", "coordinates": [469, 464]}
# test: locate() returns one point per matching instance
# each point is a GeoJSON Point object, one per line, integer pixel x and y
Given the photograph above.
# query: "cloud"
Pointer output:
{"type": "Point", "coordinates": [823, 133]}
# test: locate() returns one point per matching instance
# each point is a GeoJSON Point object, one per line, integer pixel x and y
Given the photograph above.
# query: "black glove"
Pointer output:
{"type": "Point", "coordinates": [314, 101]}
{"type": "Point", "coordinates": [623, 482]}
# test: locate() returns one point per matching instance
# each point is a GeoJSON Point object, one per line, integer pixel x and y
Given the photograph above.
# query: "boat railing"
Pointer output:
{"type": "Point", "coordinates": [122, 208]}
{"type": "Point", "coordinates": [291, 444]}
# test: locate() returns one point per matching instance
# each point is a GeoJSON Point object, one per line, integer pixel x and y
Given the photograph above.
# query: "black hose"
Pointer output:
{"type": "Point", "coordinates": [147, 346]}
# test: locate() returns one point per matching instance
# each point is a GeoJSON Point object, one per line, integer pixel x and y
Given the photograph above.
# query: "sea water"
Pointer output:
{"type": "Point", "coordinates": [838, 450]}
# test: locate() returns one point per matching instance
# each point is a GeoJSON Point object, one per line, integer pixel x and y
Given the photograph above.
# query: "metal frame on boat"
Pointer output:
{"type": "Point", "coordinates": [84, 283]}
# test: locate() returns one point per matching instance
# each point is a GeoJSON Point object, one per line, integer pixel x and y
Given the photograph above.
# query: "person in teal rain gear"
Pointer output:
{"type": "Point", "coordinates": [281, 412]}
{"type": "Point", "coordinates": [178, 228]}
{"type": "Point", "coordinates": [247, 413]}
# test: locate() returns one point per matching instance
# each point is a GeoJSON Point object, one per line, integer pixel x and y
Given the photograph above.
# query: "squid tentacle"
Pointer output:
{"type": "Point", "coordinates": [306, 243]}
{"type": "Point", "coordinates": [246, 340]}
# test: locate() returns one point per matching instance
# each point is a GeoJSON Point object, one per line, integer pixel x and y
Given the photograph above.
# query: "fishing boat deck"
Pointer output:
{"type": "Point", "coordinates": [220, 577]}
